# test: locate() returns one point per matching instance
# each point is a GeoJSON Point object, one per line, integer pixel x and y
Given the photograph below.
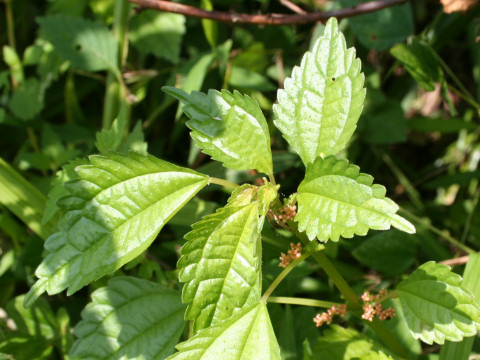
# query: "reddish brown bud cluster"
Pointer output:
{"type": "Point", "coordinates": [294, 253]}
{"type": "Point", "coordinates": [327, 316]}
{"type": "Point", "coordinates": [371, 308]}
{"type": "Point", "coordinates": [286, 213]}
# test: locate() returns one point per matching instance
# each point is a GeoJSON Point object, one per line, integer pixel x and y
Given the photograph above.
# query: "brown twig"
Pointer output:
{"type": "Point", "coordinates": [457, 261]}
{"type": "Point", "coordinates": [265, 19]}
{"type": "Point", "coordinates": [294, 7]}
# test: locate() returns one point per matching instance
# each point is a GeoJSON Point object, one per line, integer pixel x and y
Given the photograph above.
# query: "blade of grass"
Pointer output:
{"type": "Point", "coordinates": [24, 200]}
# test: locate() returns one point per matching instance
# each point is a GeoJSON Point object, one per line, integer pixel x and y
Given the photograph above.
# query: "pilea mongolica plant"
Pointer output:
{"type": "Point", "coordinates": [118, 203]}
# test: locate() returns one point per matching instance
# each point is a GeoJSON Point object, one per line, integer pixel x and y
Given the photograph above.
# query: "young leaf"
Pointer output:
{"type": "Point", "coordinates": [246, 335]}
{"type": "Point", "coordinates": [318, 110]}
{"type": "Point", "coordinates": [335, 200]}
{"type": "Point", "coordinates": [114, 324]}
{"type": "Point", "coordinates": [347, 344]}
{"type": "Point", "coordinates": [436, 306]}
{"type": "Point", "coordinates": [231, 128]}
{"type": "Point", "coordinates": [116, 208]}
{"type": "Point", "coordinates": [88, 45]}
{"type": "Point", "coordinates": [220, 265]}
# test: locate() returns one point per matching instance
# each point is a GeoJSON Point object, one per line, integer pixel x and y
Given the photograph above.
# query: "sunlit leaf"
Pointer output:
{"type": "Point", "coordinates": [231, 128]}
{"type": "Point", "coordinates": [246, 335]}
{"type": "Point", "coordinates": [86, 44]}
{"type": "Point", "coordinates": [318, 110]}
{"type": "Point", "coordinates": [115, 210]}
{"type": "Point", "coordinates": [158, 33]}
{"type": "Point", "coordinates": [129, 319]}
{"type": "Point", "coordinates": [335, 200]}
{"type": "Point", "coordinates": [436, 306]}
{"type": "Point", "coordinates": [220, 264]}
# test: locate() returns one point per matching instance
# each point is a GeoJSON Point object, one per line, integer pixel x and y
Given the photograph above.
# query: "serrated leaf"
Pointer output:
{"type": "Point", "coordinates": [116, 208]}
{"type": "Point", "coordinates": [471, 280]}
{"type": "Point", "coordinates": [58, 191]}
{"type": "Point", "coordinates": [115, 326]}
{"type": "Point", "coordinates": [158, 33]}
{"type": "Point", "coordinates": [436, 306]}
{"type": "Point", "coordinates": [335, 200]}
{"type": "Point", "coordinates": [88, 45]}
{"type": "Point", "coordinates": [247, 335]}
{"type": "Point", "coordinates": [220, 265]}
{"type": "Point", "coordinates": [231, 128]}
{"type": "Point", "coordinates": [318, 110]}
{"type": "Point", "coordinates": [339, 343]}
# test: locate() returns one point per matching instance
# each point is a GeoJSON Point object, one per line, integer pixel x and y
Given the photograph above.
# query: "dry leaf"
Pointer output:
{"type": "Point", "coordinates": [450, 6]}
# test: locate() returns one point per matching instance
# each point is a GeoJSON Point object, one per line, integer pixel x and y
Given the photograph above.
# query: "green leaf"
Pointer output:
{"type": "Point", "coordinates": [335, 200]}
{"type": "Point", "coordinates": [471, 280]}
{"type": "Point", "coordinates": [27, 101]}
{"type": "Point", "coordinates": [375, 30]}
{"type": "Point", "coordinates": [231, 128]}
{"type": "Point", "coordinates": [129, 319]}
{"type": "Point", "coordinates": [210, 27]}
{"type": "Point", "coordinates": [158, 33]}
{"type": "Point", "coordinates": [318, 110]}
{"type": "Point", "coordinates": [443, 126]}
{"type": "Point", "coordinates": [389, 252]}
{"type": "Point", "coordinates": [338, 343]}
{"type": "Point", "coordinates": [247, 335]}
{"type": "Point", "coordinates": [116, 208]}
{"type": "Point", "coordinates": [88, 45]}
{"type": "Point", "coordinates": [116, 139]}
{"type": "Point", "coordinates": [58, 191]}
{"type": "Point", "coordinates": [247, 79]}
{"type": "Point", "coordinates": [419, 60]}
{"type": "Point", "coordinates": [220, 264]}
{"type": "Point", "coordinates": [436, 306]}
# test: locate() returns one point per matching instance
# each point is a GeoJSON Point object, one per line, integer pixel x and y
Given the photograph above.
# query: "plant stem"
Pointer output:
{"type": "Point", "coordinates": [302, 301]}
{"type": "Point", "coordinates": [282, 276]}
{"type": "Point", "coordinates": [332, 272]}
{"type": "Point", "coordinates": [468, 223]}
{"type": "Point", "coordinates": [437, 231]}
{"type": "Point", "coordinates": [224, 183]}
{"type": "Point", "coordinates": [10, 24]}
{"type": "Point", "coordinates": [115, 89]}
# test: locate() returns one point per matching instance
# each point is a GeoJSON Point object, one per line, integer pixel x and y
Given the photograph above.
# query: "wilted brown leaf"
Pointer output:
{"type": "Point", "coordinates": [450, 6]}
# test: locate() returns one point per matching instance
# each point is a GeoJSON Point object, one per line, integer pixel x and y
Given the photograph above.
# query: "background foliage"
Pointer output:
{"type": "Point", "coordinates": [84, 76]}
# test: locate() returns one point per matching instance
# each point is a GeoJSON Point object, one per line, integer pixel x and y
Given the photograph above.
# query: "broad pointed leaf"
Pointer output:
{"type": "Point", "coordinates": [220, 264]}
{"type": "Point", "coordinates": [318, 110]}
{"type": "Point", "coordinates": [86, 44]}
{"type": "Point", "coordinates": [247, 335]}
{"type": "Point", "coordinates": [129, 319]}
{"type": "Point", "coordinates": [335, 200]}
{"type": "Point", "coordinates": [116, 208]}
{"type": "Point", "coordinates": [231, 128]}
{"type": "Point", "coordinates": [436, 306]}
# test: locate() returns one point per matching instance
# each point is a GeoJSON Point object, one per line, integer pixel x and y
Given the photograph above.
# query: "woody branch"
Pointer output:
{"type": "Point", "coordinates": [265, 19]}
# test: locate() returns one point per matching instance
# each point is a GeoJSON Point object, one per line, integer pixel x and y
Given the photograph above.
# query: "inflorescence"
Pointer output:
{"type": "Point", "coordinates": [294, 253]}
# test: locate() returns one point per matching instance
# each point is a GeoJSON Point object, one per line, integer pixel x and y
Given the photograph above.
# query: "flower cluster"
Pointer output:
{"type": "Point", "coordinates": [327, 316]}
{"type": "Point", "coordinates": [286, 213]}
{"type": "Point", "coordinates": [372, 308]}
{"type": "Point", "coordinates": [294, 253]}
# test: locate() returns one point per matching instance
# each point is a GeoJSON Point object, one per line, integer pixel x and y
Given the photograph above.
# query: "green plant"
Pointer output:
{"type": "Point", "coordinates": [116, 204]}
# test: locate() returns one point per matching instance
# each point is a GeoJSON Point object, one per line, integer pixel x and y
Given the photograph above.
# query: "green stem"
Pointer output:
{"type": "Point", "coordinates": [222, 182]}
{"type": "Point", "coordinates": [437, 231]}
{"type": "Point", "coordinates": [282, 276]}
{"type": "Point", "coordinates": [468, 223]}
{"type": "Point", "coordinates": [115, 88]}
{"type": "Point", "coordinates": [302, 301]}
{"type": "Point", "coordinates": [10, 24]}
{"type": "Point", "coordinates": [332, 272]}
